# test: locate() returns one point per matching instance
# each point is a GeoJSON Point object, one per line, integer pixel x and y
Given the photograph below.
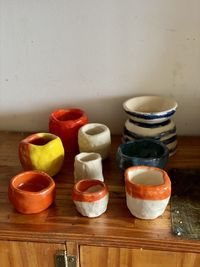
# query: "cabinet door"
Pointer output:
{"type": "Point", "coordinates": [28, 254]}
{"type": "Point", "coordinates": [123, 257]}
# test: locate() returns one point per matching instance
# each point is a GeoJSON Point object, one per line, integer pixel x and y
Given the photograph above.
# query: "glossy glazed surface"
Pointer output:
{"type": "Point", "coordinates": [31, 192]}
{"type": "Point", "coordinates": [65, 123]}
{"type": "Point", "coordinates": [142, 152]}
{"type": "Point", "coordinates": [43, 152]}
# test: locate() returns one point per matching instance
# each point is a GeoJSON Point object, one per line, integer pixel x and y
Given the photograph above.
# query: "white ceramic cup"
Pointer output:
{"type": "Point", "coordinates": [148, 191]}
{"type": "Point", "coordinates": [95, 137]}
{"type": "Point", "coordinates": [88, 165]}
{"type": "Point", "coordinates": [90, 197]}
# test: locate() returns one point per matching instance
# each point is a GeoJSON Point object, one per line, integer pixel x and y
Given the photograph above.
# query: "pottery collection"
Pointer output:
{"type": "Point", "coordinates": [149, 138]}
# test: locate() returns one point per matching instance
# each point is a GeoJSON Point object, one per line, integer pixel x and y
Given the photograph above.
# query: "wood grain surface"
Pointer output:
{"type": "Point", "coordinates": [61, 222]}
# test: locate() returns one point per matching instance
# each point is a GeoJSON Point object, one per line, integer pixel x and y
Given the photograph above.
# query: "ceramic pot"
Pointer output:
{"type": "Point", "coordinates": [31, 192]}
{"type": "Point", "coordinates": [65, 123]}
{"type": "Point", "coordinates": [90, 197]}
{"type": "Point", "coordinates": [88, 166]}
{"type": "Point", "coordinates": [146, 152]}
{"type": "Point", "coordinates": [148, 191]}
{"type": "Point", "coordinates": [95, 137]}
{"type": "Point", "coordinates": [42, 151]}
{"type": "Point", "coordinates": [164, 132]}
{"type": "Point", "coordinates": [150, 109]}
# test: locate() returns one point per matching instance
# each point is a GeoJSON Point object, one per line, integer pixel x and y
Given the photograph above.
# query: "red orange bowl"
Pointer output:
{"type": "Point", "coordinates": [31, 191]}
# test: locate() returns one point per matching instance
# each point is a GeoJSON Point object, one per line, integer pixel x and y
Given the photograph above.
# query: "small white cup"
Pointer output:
{"type": "Point", "coordinates": [90, 197]}
{"type": "Point", "coordinates": [95, 137]}
{"type": "Point", "coordinates": [88, 165]}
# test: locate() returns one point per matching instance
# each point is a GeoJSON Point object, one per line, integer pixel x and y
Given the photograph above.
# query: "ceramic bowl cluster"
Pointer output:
{"type": "Point", "coordinates": [146, 152]}
{"type": "Point", "coordinates": [151, 117]}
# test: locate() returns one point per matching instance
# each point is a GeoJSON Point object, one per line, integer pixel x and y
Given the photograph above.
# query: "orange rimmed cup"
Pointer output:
{"type": "Point", "coordinates": [31, 191]}
{"type": "Point", "coordinates": [65, 123]}
{"type": "Point", "coordinates": [90, 197]}
{"type": "Point", "coordinates": [148, 190]}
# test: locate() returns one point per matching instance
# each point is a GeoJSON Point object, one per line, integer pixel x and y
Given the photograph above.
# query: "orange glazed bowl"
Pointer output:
{"type": "Point", "coordinates": [31, 191]}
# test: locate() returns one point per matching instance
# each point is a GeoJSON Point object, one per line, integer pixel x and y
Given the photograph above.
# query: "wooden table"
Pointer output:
{"type": "Point", "coordinates": [114, 239]}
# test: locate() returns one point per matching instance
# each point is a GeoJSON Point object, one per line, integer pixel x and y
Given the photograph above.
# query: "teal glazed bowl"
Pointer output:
{"type": "Point", "coordinates": [145, 152]}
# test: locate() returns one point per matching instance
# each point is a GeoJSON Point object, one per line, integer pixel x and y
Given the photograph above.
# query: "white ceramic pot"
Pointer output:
{"type": "Point", "coordinates": [90, 197]}
{"type": "Point", "coordinates": [88, 165]}
{"type": "Point", "coordinates": [148, 191]}
{"type": "Point", "coordinates": [95, 137]}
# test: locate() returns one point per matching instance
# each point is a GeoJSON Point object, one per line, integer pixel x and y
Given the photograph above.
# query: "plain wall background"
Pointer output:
{"type": "Point", "coordinates": [94, 54]}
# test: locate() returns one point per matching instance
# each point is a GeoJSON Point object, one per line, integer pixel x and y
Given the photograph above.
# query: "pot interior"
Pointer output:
{"type": "Point", "coordinates": [95, 130]}
{"type": "Point", "coordinates": [89, 157]}
{"type": "Point", "coordinates": [31, 182]}
{"type": "Point", "coordinates": [69, 115]}
{"type": "Point", "coordinates": [150, 104]}
{"type": "Point", "coordinates": [143, 149]}
{"type": "Point", "coordinates": [146, 177]}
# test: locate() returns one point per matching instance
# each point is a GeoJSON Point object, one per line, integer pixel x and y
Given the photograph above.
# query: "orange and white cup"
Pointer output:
{"type": "Point", "coordinates": [90, 197]}
{"type": "Point", "coordinates": [148, 190]}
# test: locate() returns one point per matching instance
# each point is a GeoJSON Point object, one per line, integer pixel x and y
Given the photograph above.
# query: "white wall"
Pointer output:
{"type": "Point", "coordinates": [94, 54]}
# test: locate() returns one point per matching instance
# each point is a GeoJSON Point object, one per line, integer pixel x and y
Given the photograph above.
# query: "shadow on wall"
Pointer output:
{"type": "Point", "coordinates": [108, 111]}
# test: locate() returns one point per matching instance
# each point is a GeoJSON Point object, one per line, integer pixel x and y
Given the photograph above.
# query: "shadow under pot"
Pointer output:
{"type": "Point", "coordinates": [65, 123]}
{"type": "Point", "coordinates": [148, 191]}
{"type": "Point", "coordinates": [146, 152]}
{"type": "Point", "coordinates": [31, 192]}
{"type": "Point", "coordinates": [95, 137]}
{"type": "Point", "coordinates": [43, 152]}
{"type": "Point", "coordinates": [90, 197]}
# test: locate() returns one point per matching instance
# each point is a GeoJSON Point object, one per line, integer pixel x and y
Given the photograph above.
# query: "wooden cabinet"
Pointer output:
{"type": "Point", "coordinates": [113, 257]}
{"type": "Point", "coordinates": [115, 238]}
{"type": "Point", "coordinates": [28, 254]}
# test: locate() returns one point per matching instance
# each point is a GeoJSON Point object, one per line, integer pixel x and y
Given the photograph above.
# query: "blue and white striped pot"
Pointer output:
{"type": "Point", "coordinates": [163, 131]}
{"type": "Point", "coordinates": [150, 109]}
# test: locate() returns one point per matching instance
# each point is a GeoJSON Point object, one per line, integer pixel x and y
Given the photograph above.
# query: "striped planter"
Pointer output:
{"type": "Point", "coordinates": [163, 131]}
{"type": "Point", "coordinates": [151, 117]}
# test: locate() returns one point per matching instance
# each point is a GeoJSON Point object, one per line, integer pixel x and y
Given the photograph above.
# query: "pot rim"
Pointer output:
{"type": "Point", "coordinates": [54, 115]}
{"type": "Point", "coordinates": [79, 191]}
{"type": "Point", "coordinates": [148, 192]}
{"type": "Point", "coordinates": [43, 175]}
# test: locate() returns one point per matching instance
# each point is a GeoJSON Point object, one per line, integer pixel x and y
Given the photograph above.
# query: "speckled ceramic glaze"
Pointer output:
{"type": "Point", "coordinates": [88, 165]}
{"type": "Point", "coordinates": [142, 152]}
{"type": "Point", "coordinates": [148, 191]}
{"type": "Point", "coordinates": [150, 117]}
{"type": "Point", "coordinates": [90, 197]}
{"type": "Point", "coordinates": [31, 192]}
{"type": "Point", "coordinates": [43, 152]}
{"type": "Point", "coordinates": [65, 123]}
{"type": "Point", "coordinates": [95, 137]}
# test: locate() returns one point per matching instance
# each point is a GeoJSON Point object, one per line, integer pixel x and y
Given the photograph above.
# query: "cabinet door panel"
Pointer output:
{"type": "Point", "coordinates": [28, 254]}
{"type": "Point", "coordinates": [123, 257]}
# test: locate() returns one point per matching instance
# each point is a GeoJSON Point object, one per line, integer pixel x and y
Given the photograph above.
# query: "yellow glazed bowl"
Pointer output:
{"type": "Point", "coordinates": [43, 152]}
